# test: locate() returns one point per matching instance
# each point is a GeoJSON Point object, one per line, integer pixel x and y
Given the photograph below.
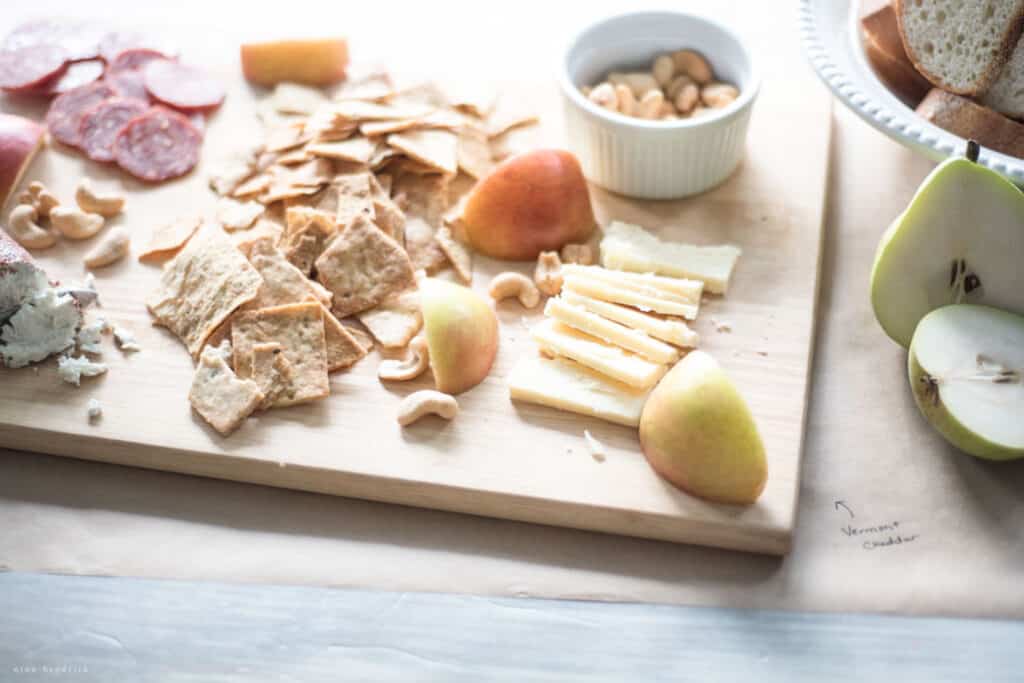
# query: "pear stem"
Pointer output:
{"type": "Point", "coordinates": [973, 151]}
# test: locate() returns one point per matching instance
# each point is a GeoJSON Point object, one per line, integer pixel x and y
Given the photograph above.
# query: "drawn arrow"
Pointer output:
{"type": "Point", "coordinates": [840, 503]}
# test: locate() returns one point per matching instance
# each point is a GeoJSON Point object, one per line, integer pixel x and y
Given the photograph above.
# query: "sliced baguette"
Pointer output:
{"type": "Point", "coordinates": [960, 45]}
{"type": "Point", "coordinates": [971, 121]}
{"type": "Point", "coordinates": [1006, 95]}
{"type": "Point", "coordinates": [878, 20]}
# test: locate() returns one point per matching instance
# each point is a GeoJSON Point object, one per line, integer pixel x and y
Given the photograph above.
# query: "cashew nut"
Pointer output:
{"type": "Point", "coordinates": [21, 223]}
{"type": "Point", "coordinates": [509, 284]}
{"type": "Point", "coordinates": [75, 224]}
{"type": "Point", "coordinates": [39, 197]}
{"type": "Point", "coordinates": [718, 95]}
{"type": "Point", "coordinates": [578, 253]}
{"type": "Point", "coordinates": [626, 100]}
{"type": "Point", "coordinates": [693, 64]}
{"type": "Point", "coordinates": [415, 364]}
{"type": "Point", "coordinates": [673, 89]}
{"type": "Point", "coordinates": [649, 106]}
{"type": "Point", "coordinates": [687, 99]}
{"type": "Point", "coordinates": [426, 402]}
{"type": "Point", "coordinates": [548, 274]}
{"type": "Point", "coordinates": [663, 69]}
{"type": "Point", "coordinates": [604, 96]}
{"type": "Point", "coordinates": [106, 205]}
{"type": "Point", "coordinates": [113, 247]}
{"type": "Point", "coordinates": [638, 81]}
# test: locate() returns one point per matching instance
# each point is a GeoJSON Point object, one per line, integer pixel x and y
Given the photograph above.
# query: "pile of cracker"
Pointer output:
{"type": "Point", "coordinates": [321, 234]}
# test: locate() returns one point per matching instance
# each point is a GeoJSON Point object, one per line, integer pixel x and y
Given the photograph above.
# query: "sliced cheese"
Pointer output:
{"type": "Point", "coordinates": [566, 385]}
{"type": "Point", "coordinates": [630, 247]}
{"type": "Point", "coordinates": [561, 340]}
{"type": "Point", "coordinates": [615, 293]}
{"type": "Point", "coordinates": [673, 331]}
{"type": "Point", "coordinates": [670, 288]}
{"type": "Point", "coordinates": [612, 332]}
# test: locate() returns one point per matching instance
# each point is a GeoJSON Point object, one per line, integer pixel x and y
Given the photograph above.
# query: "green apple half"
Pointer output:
{"type": "Point", "coordinates": [960, 240]}
{"type": "Point", "coordinates": [966, 365]}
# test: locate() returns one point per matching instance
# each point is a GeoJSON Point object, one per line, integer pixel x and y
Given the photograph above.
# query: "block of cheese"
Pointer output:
{"type": "Point", "coordinates": [561, 340]}
{"type": "Point", "coordinates": [581, 319]}
{"type": "Point", "coordinates": [673, 331]}
{"type": "Point", "coordinates": [619, 294]}
{"type": "Point", "coordinates": [630, 247]}
{"type": "Point", "coordinates": [566, 385]}
{"type": "Point", "coordinates": [661, 287]}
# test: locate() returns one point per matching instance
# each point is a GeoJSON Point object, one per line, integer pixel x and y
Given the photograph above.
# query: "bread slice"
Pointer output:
{"type": "Point", "coordinates": [878, 20]}
{"type": "Point", "coordinates": [960, 45]}
{"type": "Point", "coordinates": [970, 120]}
{"type": "Point", "coordinates": [884, 49]}
{"type": "Point", "coordinates": [1006, 95]}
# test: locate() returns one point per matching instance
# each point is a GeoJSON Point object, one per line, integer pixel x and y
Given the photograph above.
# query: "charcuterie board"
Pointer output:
{"type": "Point", "coordinates": [498, 458]}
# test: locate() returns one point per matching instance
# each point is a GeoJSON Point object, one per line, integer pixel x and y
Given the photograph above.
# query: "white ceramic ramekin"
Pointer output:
{"type": "Point", "coordinates": [655, 159]}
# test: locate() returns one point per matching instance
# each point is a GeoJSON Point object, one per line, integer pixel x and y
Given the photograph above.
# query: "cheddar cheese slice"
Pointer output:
{"type": "Point", "coordinates": [561, 340]}
{"type": "Point", "coordinates": [618, 294]}
{"type": "Point", "coordinates": [581, 319]}
{"type": "Point", "coordinates": [673, 331]}
{"type": "Point", "coordinates": [566, 385]}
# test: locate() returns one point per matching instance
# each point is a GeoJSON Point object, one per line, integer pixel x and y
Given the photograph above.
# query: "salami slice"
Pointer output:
{"type": "Point", "coordinates": [79, 39]}
{"type": "Point", "coordinates": [65, 114]}
{"type": "Point", "coordinates": [28, 68]}
{"type": "Point", "coordinates": [182, 86]}
{"type": "Point", "coordinates": [159, 145]}
{"type": "Point", "coordinates": [102, 123]}
{"type": "Point", "coordinates": [128, 83]}
{"type": "Point", "coordinates": [117, 42]}
{"type": "Point", "coordinates": [76, 75]}
{"type": "Point", "coordinates": [134, 58]}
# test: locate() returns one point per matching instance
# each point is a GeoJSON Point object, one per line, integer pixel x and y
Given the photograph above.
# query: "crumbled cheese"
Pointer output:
{"type": "Point", "coordinates": [721, 325]}
{"type": "Point", "coordinates": [597, 451]}
{"type": "Point", "coordinates": [90, 336]}
{"type": "Point", "coordinates": [45, 325]}
{"type": "Point", "coordinates": [90, 284]}
{"type": "Point", "coordinates": [126, 339]}
{"type": "Point", "coordinates": [72, 369]}
{"type": "Point", "coordinates": [94, 409]}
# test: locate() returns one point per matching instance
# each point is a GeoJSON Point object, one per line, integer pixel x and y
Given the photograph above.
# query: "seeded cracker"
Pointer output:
{"type": "Point", "coordinates": [437, 149]}
{"type": "Point", "coordinates": [355, 197]}
{"type": "Point", "coordinates": [265, 230]}
{"type": "Point", "coordinates": [343, 349]}
{"type": "Point", "coordinates": [396, 321]}
{"type": "Point", "coordinates": [271, 372]}
{"type": "Point", "coordinates": [425, 201]}
{"type": "Point", "coordinates": [283, 283]}
{"type": "Point", "coordinates": [168, 239]}
{"type": "Point", "coordinates": [221, 398]}
{"type": "Point", "coordinates": [358, 150]}
{"type": "Point", "coordinates": [388, 217]}
{"type": "Point", "coordinates": [201, 286]}
{"type": "Point", "coordinates": [460, 257]}
{"type": "Point", "coordinates": [307, 233]}
{"type": "Point", "coordinates": [299, 329]}
{"type": "Point", "coordinates": [362, 267]}
{"type": "Point", "coordinates": [474, 152]}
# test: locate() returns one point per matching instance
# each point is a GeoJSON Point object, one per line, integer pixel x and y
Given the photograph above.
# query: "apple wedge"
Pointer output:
{"type": "Point", "coordinates": [462, 334]}
{"type": "Point", "coordinates": [966, 368]}
{"type": "Point", "coordinates": [960, 240]}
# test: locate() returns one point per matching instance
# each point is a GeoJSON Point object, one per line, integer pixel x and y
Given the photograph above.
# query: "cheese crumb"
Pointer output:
{"type": "Point", "coordinates": [721, 325]}
{"type": "Point", "coordinates": [71, 369]}
{"type": "Point", "coordinates": [94, 409]}
{"type": "Point", "coordinates": [597, 451]}
{"type": "Point", "coordinates": [125, 339]}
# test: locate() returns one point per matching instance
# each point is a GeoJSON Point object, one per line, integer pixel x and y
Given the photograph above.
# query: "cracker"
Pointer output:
{"type": "Point", "coordinates": [288, 136]}
{"type": "Point", "coordinates": [421, 93]}
{"type": "Point", "coordinates": [362, 267]}
{"type": "Point", "coordinates": [514, 141]}
{"type": "Point", "coordinates": [265, 230]}
{"type": "Point", "coordinates": [201, 286]}
{"type": "Point", "coordinates": [375, 85]}
{"type": "Point", "coordinates": [233, 170]}
{"type": "Point", "coordinates": [355, 198]}
{"type": "Point", "coordinates": [509, 113]}
{"type": "Point", "coordinates": [388, 217]}
{"type": "Point", "coordinates": [422, 246]}
{"type": "Point", "coordinates": [473, 97]}
{"type": "Point", "coordinates": [168, 239]}
{"type": "Point", "coordinates": [294, 98]}
{"type": "Point", "coordinates": [299, 329]}
{"type": "Point", "coordinates": [474, 152]}
{"type": "Point", "coordinates": [278, 192]}
{"type": "Point", "coordinates": [358, 149]}
{"type": "Point", "coordinates": [359, 111]}
{"type": "Point", "coordinates": [255, 185]}
{"type": "Point", "coordinates": [395, 321]}
{"type": "Point", "coordinates": [442, 118]}
{"type": "Point", "coordinates": [220, 397]}
{"type": "Point", "coordinates": [270, 370]}
{"type": "Point", "coordinates": [343, 350]}
{"type": "Point", "coordinates": [314, 172]}
{"type": "Point", "coordinates": [459, 256]}
{"type": "Point", "coordinates": [383, 155]}
{"type": "Point", "coordinates": [435, 148]}
{"type": "Point", "coordinates": [425, 199]}
{"type": "Point", "coordinates": [361, 336]}
{"type": "Point", "coordinates": [236, 215]}
{"type": "Point", "coordinates": [283, 283]}
{"type": "Point", "coordinates": [307, 233]}
{"type": "Point", "coordinates": [299, 155]}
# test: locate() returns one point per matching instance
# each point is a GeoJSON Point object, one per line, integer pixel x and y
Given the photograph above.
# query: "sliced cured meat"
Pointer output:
{"type": "Point", "coordinates": [134, 58]}
{"type": "Point", "coordinates": [128, 83]}
{"type": "Point", "coordinates": [182, 86]}
{"type": "Point", "coordinates": [198, 119]}
{"type": "Point", "coordinates": [102, 123]}
{"type": "Point", "coordinates": [76, 75]}
{"type": "Point", "coordinates": [117, 42]}
{"type": "Point", "coordinates": [79, 39]}
{"type": "Point", "coordinates": [29, 67]}
{"type": "Point", "coordinates": [66, 111]}
{"type": "Point", "coordinates": [159, 145]}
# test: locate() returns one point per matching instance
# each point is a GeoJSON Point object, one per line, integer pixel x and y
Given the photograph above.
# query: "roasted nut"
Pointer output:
{"type": "Point", "coordinates": [626, 102]}
{"type": "Point", "coordinates": [415, 364]}
{"type": "Point", "coordinates": [663, 69]}
{"type": "Point", "coordinates": [638, 81]}
{"type": "Point", "coordinates": [718, 95]}
{"type": "Point", "coordinates": [21, 223]}
{"type": "Point", "coordinates": [687, 99]}
{"type": "Point", "coordinates": [673, 89]}
{"type": "Point", "coordinates": [700, 111]}
{"type": "Point", "coordinates": [604, 96]}
{"type": "Point", "coordinates": [509, 284]}
{"type": "Point", "coordinates": [112, 248]}
{"type": "Point", "coordinates": [39, 197]}
{"type": "Point", "coordinates": [426, 402]}
{"type": "Point", "coordinates": [582, 254]}
{"type": "Point", "coordinates": [693, 64]}
{"type": "Point", "coordinates": [74, 223]}
{"type": "Point", "coordinates": [548, 273]}
{"type": "Point", "coordinates": [106, 205]}
{"type": "Point", "coordinates": [586, 90]}
{"type": "Point", "coordinates": [649, 106]}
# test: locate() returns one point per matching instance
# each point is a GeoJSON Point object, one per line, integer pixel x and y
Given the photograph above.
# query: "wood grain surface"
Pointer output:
{"type": "Point", "coordinates": [498, 459]}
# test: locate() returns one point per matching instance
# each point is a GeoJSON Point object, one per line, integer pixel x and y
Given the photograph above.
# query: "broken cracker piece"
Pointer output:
{"type": "Point", "coordinates": [343, 349]}
{"type": "Point", "coordinates": [362, 337]}
{"type": "Point", "coordinates": [283, 283]}
{"type": "Point", "coordinates": [474, 152]}
{"type": "Point", "coordinates": [219, 396]}
{"type": "Point", "coordinates": [265, 230]}
{"type": "Point", "coordinates": [307, 233]}
{"type": "Point", "coordinates": [437, 149]}
{"type": "Point", "coordinates": [295, 98]}
{"type": "Point", "coordinates": [168, 239]}
{"type": "Point", "coordinates": [355, 197]}
{"type": "Point", "coordinates": [459, 256]}
{"type": "Point", "coordinates": [236, 215]}
{"type": "Point", "coordinates": [270, 370]}
{"type": "Point", "coordinates": [395, 321]}
{"type": "Point", "coordinates": [358, 150]}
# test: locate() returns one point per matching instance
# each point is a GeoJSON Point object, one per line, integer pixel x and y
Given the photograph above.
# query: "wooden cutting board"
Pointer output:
{"type": "Point", "coordinates": [497, 458]}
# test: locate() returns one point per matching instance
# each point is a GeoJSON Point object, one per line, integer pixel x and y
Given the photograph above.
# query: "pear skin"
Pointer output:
{"type": "Point", "coordinates": [462, 334]}
{"type": "Point", "coordinates": [697, 432]}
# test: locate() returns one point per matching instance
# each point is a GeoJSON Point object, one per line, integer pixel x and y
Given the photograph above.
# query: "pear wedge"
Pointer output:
{"type": "Point", "coordinates": [960, 240]}
{"type": "Point", "coordinates": [966, 367]}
